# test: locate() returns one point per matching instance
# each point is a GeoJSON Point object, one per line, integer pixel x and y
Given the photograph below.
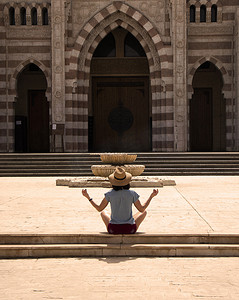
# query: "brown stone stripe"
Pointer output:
{"type": "Point", "coordinates": [3, 105]}
{"type": "Point", "coordinates": [29, 49]}
{"type": "Point", "coordinates": [228, 16]}
{"type": "Point", "coordinates": [163, 116]}
{"type": "Point", "coordinates": [209, 45]}
{"type": "Point", "coordinates": [221, 58]}
{"type": "Point", "coordinates": [74, 147]}
{"type": "Point", "coordinates": [163, 130]}
{"type": "Point", "coordinates": [77, 131]}
{"type": "Point", "coordinates": [3, 132]}
{"type": "Point", "coordinates": [76, 103]}
{"type": "Point", "coordinates": [163, 144]}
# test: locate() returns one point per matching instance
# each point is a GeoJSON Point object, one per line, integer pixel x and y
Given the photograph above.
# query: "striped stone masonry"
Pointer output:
{"type": "Point", "coordinates": [159, 59]}
{"type": "Point", "coordinates": [175, 48]}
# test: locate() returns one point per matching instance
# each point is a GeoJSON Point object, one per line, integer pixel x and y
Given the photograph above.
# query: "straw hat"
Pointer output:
{"type": "Point", "coordinates": [120, 177]}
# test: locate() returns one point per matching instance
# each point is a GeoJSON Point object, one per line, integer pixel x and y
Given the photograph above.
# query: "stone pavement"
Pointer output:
{"type": "Point", "coordinates": [120, 279]}
{"type": "Point", "coordinates": [194, 205]}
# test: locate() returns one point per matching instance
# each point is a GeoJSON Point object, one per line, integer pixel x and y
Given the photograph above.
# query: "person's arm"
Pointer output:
{"type": "Point", "coordinates": [100, 207]}
{"type": "Point", "coordinates": [142, 207]}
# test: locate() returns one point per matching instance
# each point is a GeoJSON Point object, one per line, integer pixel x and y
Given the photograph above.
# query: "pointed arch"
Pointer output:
{"type": "Point", "coordinates": [227, 94]}
{"type": "Point", "coordinates": [20, 68]}
{"type": "Point", "coordinates": [78, 69]}
{"type": "Point", "coordinates": [218, 64]}
{"type": "Point", "coordinates": [117, 14]}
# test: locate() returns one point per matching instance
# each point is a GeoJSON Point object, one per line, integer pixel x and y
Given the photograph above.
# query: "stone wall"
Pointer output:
{"type": "Point", "coordinates": [214, 42]}
{"type": "Point", "coordinates": [175, 48]}
{"type": "Point", "coordinates": [19, 46]}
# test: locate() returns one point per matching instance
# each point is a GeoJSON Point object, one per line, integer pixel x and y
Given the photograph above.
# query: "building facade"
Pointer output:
{"type": "Point", "coordinates": [102, 76]}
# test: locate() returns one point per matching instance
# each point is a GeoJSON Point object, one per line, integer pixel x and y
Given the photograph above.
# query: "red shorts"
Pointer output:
{"type": "Point", "coordinates": [121, 228]}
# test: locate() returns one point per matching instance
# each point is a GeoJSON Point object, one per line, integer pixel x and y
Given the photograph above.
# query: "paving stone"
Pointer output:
{"type": "Point", "coordinates": [120, 278]}
{"type": "Point", "coordinates": [195, 205]}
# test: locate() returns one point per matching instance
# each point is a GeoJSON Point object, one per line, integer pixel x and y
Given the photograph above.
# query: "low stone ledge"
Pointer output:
{"type": "Point", "coordinates": [139, 181]}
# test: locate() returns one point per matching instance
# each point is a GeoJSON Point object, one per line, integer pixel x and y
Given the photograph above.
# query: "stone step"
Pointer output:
{"type": "Point", "coordinates": [156, 164]}
{"type": "Point", "coordinates": [148, 163]}
{"type": "Point", "coordinates": [105, 238]}
{"type": "Point", "coordinates": [103, 245]}
{"type": "Point", "coordinates": [158, 174]}
{"type": "Point", "coordinates": [106, 250]}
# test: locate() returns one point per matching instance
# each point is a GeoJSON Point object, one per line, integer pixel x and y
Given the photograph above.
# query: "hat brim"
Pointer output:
{"type": "Point", "coordinates": [118, 182]}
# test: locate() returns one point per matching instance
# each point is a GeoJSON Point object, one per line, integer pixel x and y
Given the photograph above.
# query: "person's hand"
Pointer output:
{"type": "Point", "coordinates": [85, 194]}
{"type": "Point", "coordinates": [154, 193]}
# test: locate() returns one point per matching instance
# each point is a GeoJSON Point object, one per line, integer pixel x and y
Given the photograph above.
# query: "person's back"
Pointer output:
{"type": "Point", "coordinates": [121, 202]}
{"type": "Point", "coordinates": [121, 199]}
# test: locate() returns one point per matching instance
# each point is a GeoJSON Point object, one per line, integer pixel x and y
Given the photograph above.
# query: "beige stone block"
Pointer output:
{"type": "Point", "coordinates": [63, 182]}
{"type": "Point", "coordinates": [148, 250]}
{"type": "Point", "coordinates": [66, 250]}
{"type": "Point", "coordinates": [168, 182]}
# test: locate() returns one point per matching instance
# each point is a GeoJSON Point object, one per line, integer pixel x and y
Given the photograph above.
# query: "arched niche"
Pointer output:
{"type": "Point", "coordinates": [119, 110]}
{"type": "Point", "coordinates": [31, 111]}
{"type": "Point", "coordinates": [207, 110]}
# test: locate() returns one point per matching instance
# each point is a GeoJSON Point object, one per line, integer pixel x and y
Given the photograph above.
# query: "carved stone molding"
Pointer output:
{"type": "Point", "coordinates": [179, 26]}
{"type": "Point", "coordinates": [58, 61]}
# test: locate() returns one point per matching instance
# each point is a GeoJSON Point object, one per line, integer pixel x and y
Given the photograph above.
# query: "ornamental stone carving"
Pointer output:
{"type": "Point", "coordinates": [58, 60]}
{"type": "Point", "coordinates": [180, 86]}
{"type": "Point", "coordinates": [179, 44]}
{"type": "Point", "coordinates": [58, 94]}
{"type": "Point", "coordinates": [57, 19]}
{"type": "Point", "coordinates": [180, 69]}
{"type": "Point", "coordinates": [179, 93]}
{"type": "Point", "coordinates": [58, 69]}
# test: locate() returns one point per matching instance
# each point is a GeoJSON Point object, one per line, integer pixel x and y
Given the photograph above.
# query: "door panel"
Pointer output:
{"type": "Point", "coordinates": [38, 122]}
{"type": "Point", "coordinates": [121, 114]}
{"type": "Point", "coordinates": [201, 131]}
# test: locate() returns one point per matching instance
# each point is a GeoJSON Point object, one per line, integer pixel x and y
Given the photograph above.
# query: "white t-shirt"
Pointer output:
{"type": "Point", "coordinates": [121, 205]}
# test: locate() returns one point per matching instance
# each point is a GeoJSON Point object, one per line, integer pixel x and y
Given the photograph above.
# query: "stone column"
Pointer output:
{"type": "Point", "coordinates": [58, 61]}
{"type": "Point", "coordinates": [237, 80]}
{"type": "Point", "coordinates": [179, 26]}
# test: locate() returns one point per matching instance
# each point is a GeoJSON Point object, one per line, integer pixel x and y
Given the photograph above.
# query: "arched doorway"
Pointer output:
{"type": "Point", "coordinates": [207, 110]}
{"type": "Point", "coordinates": [31, 111]}
{"type": "Point", "coordinates": [120, 106]}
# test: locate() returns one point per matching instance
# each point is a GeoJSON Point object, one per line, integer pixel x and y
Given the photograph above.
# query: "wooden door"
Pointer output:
{"type": "Point", "coordinates": [121, 114]}
{"type": "Point", "coordinates": [38, 122]}
{"type": "Point", "coordinates": [201, 125]}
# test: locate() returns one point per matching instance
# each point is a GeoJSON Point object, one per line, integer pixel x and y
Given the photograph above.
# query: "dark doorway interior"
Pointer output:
{"type": "Point", "coordinates": [120, 105]}
{"type": "Point", "coordinates": [31, 112]}
{"type": "Point", "coordinates": [207, 110]}
{"type": "Point", "coordinates": [201, 120]}
{"type": "Point", "coordinates": [38, 122]}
